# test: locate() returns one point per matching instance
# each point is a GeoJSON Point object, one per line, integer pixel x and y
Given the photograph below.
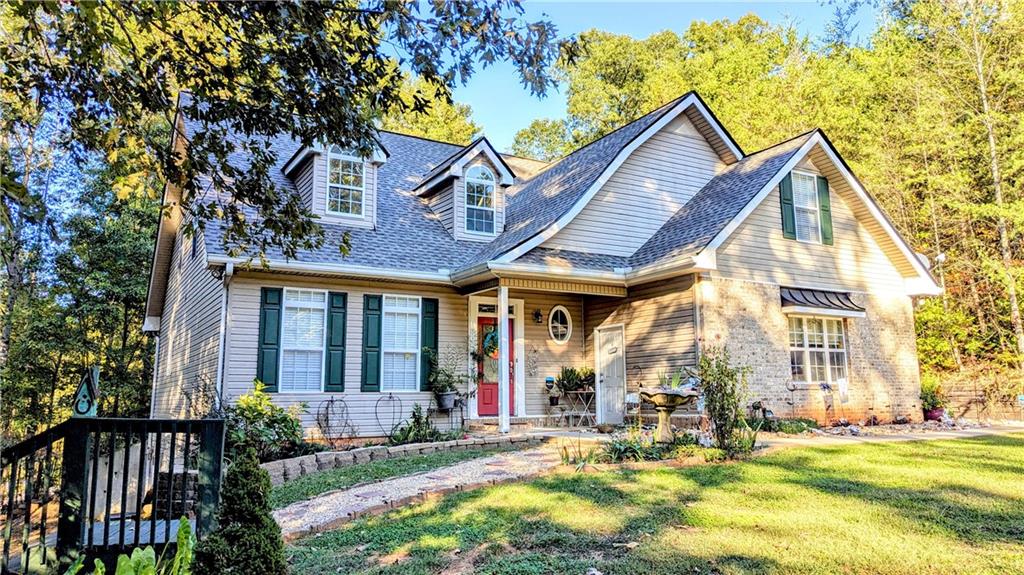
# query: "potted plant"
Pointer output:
{"type": "Point", "coordinates": [569, 379]}
{"type": "Point", "coordinates": [444, 382]}
{"type": "Point", "coordinates": [587, 378]}
{"type": "Point", "coordinates": [933, 399]}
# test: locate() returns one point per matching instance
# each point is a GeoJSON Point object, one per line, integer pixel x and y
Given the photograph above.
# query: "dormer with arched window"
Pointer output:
{"type": "Point", "coordinates": [466, 192]}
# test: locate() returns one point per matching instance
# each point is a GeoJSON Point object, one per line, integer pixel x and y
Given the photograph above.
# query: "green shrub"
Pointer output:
{"type": "Point", "coordinates": [723, 387]}
{"type": "Point", "coordinates": [713, 454]}
{"type": "Point", "coordinates": [794, 426]}
{"type": "Point", "coordinates": [419, 430]}
{"type": "Point", "coordinates": [744, 438]}
{"type": "Point", "coordinates": [270, 430]}
{"type": "Point", "coordinates": [246, 541]}
{"type": "Point", "coordinates": [932, 394]}
{"type": "Point", "coordinates": [143, 561]}
{"type": "Point", "coordinates": [641, 446]}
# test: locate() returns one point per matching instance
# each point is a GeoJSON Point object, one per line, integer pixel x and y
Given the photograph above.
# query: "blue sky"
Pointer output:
{"type": "Point", "coordinates": [502, 107]}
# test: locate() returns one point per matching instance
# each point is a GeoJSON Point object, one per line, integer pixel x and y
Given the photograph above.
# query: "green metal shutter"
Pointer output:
{"type": "Point", "coordinates": [825, 211]}
{"type": "Point", "coordinates": [788, 214]}
{"type": "Point", "coordinates": [371, 343]}
{"type": "Point", "coordinates": [337, 311]}
{"type": "Point", "coordinates": [270, 338]}
{"type": "Point", "coordinates": [428, 340]}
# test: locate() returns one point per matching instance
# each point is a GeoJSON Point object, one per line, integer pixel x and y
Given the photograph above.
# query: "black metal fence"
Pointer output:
{"type": "Point", "coordinates": [101, 486]}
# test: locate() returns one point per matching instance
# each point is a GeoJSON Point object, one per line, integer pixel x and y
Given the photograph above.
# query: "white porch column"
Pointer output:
{"type": "Point", "coordinates": [504, 417]}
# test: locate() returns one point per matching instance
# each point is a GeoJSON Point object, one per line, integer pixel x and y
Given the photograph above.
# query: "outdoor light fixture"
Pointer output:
{"type": "Point", "coordinates": [538, 316]}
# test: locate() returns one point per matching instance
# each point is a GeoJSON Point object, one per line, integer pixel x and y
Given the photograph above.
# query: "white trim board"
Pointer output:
{"type": "Point", "coordinates": [620, 158]}
{"type": "Point", "coordinates": [519, 341]}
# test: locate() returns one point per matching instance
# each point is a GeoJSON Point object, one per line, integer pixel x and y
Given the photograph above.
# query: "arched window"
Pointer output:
{"type": "Point", "coordinates": [560, 324]}
{"type": "Point", "coordinates": [480, 200]}
{"type": "Point", "coordinates": [345, 173]}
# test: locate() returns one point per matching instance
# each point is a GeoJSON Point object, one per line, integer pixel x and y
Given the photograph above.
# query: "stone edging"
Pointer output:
{"type": "Point", "coordinates": [288, 469]}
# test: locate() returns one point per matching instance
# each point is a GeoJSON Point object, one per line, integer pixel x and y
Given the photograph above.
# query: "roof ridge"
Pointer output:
{"type": "Point", "coordinates": [424, 138]}
{"type": "Point", "coordinates": [783, 142]}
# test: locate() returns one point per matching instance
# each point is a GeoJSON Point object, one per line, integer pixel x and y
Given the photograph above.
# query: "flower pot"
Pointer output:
{"type": "Point", "coordinates": [553, 400]}
{"type": "Point", "coordinates": [446, 401]}
{"type": "Point", "coordinates": [934, 414]}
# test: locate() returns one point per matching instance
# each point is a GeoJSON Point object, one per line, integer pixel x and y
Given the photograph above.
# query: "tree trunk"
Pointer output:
{"type": "Point", "coordinates": [997, 189]}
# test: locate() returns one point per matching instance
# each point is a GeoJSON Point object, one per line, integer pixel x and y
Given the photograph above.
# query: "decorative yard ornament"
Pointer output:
{"type": "Point", "coordinates": [87, 394]}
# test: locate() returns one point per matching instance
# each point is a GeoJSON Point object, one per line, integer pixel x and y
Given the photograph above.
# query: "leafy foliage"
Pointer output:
{"type": "Point", "coordinates": [315, 72]}
{"type": "Point", "coordinates": [255, 422]}
{"type": "Point", "coordinates": [932, 394]}
{"type": "Point", "coordinates": [418, 429]}
{"type": "Point", "coordinates": [441, 120]}
{"type": "Point", "coordinates": [723, 387]}
{"type": "Point", "coordinates": [246, 540]}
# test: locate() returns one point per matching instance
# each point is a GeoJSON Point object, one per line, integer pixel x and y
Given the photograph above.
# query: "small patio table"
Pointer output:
{"type": "Point", "coordinates": [581, 403]}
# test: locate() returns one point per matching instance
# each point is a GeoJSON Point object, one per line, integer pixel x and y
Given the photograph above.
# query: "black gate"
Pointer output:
{"type": "Point", "coordinates": [101, 486]}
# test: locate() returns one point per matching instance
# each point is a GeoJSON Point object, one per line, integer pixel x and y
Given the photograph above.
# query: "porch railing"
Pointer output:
{"type": "Point", "coordinates": [101, 486]}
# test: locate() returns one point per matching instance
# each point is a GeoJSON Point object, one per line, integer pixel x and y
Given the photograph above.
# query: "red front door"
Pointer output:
{"type": "Point", "coordinates": [487, 366]}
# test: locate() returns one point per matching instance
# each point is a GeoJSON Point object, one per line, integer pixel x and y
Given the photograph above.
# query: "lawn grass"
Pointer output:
{"type": "Point", "coordinates": [894, 508]}
{"type": "Point", "coordinates": [314, 484]}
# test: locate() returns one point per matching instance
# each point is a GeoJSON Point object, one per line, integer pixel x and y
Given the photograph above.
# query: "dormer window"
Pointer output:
{"type": "Point", "coordinates": [479, 200]}
{"type": "Point", "coordinates": [345, 183]}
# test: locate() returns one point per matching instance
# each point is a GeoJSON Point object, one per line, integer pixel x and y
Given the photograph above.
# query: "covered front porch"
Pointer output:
{"type": "Point", "coordinates": [537, 327]}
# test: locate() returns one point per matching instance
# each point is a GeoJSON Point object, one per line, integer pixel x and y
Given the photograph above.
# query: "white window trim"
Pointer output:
{"type": "Point", "coordinates": [817, 209]}
{"type": "Point", "coordinates": [419, 347]}
{"type": "Point", "coordinates": [327, 191]}
{"type": "Point", "coordinates": [494, 202]}
{"type": "Point", "coordinates": [322, 350]}
{"type": "Point", "coordinates": [568, 317]}
{"type": "Point", "coordinates": [806, 349]}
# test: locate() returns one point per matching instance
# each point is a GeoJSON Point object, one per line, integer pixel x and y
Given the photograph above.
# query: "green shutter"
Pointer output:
{"type": "Point", "coordinates": [270, 338]}
{"type": "Point", "coordinates": [371, 343]}
{"type": "Point", "coordinates": [334, 376]}
{"type": "Point", "coordinates": [428, 340]}
{"type": "Point", "coordinates": [825, 210]}
{"type": "Point", "coordinates": [788, 214]}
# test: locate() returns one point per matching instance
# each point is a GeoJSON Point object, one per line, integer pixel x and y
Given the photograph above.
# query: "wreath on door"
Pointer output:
{"type": "Point", "coordinates": [491, 343]}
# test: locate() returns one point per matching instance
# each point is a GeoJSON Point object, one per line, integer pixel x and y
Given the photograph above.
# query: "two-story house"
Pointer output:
{"type": "Point", "coordinates": [628, 255]}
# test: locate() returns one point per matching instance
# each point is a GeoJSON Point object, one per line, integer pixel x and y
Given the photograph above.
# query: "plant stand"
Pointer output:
{"type": "Point", "coordinates": [666, 401]}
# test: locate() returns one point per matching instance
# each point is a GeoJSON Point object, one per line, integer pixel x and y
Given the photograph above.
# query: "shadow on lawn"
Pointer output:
{"type": "Point", "coordinates": [971, 514]}
{"type": "Point", "coordinates": [531, 527]}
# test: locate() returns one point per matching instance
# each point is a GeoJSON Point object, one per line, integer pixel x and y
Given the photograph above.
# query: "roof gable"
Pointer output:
{"type": "Point", "coordinates": [453, 166]}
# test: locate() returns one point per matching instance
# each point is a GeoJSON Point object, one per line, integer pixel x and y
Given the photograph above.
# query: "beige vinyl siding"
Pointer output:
{"type": "Point", "coordinates": [543, 357]}
{"type": "Point", "coordinates": [655, 181]}
{"type": "Point", "coordinates": [659, 323]}
{"type": "Point", "coordinates": [306, 180]}
{"type": "Point", "coordinates": [441, 204]}
{"type": "Point", "coordinates": [364, 409]}
{"type": "Point", "coordinates": [757, 251]}
{"type": "Point", "coordinates": [189, 330]}
{"type": "Point", "coordinates": [369, 218]}
{"type": "Point", "coordinates": [460, 205]}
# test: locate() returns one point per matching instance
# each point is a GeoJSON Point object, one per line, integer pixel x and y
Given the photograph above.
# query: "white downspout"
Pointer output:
{"type": "Point", "coordinates": [229, 271]}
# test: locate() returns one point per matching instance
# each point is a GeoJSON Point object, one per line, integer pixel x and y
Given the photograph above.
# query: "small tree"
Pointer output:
{"type": "Point", "coordinates": [247, 540]}
{"type": "Point", "coordinates": [723, 387]}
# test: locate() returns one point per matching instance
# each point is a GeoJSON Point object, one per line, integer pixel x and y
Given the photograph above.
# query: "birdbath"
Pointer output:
{"type": "Point", "coordinates": [666, 401]}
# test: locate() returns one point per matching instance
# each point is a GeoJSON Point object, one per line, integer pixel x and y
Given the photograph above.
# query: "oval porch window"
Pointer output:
{"type": "Point", "coordinates": [560, 324]}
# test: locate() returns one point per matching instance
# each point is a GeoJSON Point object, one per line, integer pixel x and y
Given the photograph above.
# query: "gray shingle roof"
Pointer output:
{"type": "Point", "coordinates": [691, 228]}
{"type": "Point", "coordinates": [409, 236]}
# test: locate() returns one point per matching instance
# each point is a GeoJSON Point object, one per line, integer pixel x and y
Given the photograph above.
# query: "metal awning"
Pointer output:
{"type": "Point", "coordinates": [819, 302]}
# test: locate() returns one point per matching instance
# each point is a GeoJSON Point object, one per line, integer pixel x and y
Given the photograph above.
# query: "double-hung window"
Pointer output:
{"type": "Point", "coordinates": [805, 207]}
{"type": "Point", "coordinates": [400, 344]}
{"type": "Point", "coordinates": [817, 349]}
{"type": "Point", "coordinates": [479, 200]}
{"type": "Point", "coordinates": [302, 340]}
{"type": "Point", "coordinates": [345, 183]}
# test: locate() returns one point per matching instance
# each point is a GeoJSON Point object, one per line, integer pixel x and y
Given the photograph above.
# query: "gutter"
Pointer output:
{"type": "Point", "coordinates": [441, 276]}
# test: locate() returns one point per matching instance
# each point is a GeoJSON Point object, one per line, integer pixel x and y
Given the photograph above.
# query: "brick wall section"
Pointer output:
{"type": "Point", "coordinates": [882, 352]}
{"type": "Point", "coordinates": [289, 469]}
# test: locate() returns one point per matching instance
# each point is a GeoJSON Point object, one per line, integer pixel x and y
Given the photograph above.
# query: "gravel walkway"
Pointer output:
{"type": "Point", "coordinates": [329, 510]}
